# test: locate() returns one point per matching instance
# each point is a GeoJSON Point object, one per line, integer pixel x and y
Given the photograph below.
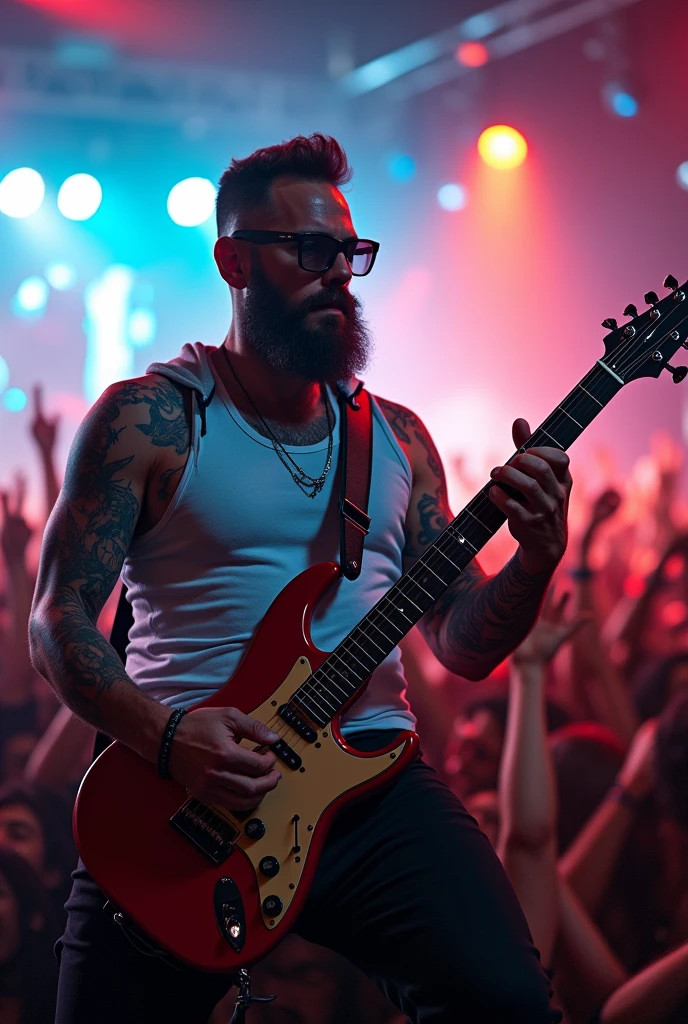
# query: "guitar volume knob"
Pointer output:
{"type": "Point", "coordinates": [269, 866]}
{"type": "Point", "coordinates": [272, 906]}
{"type": "Point", "coordinates": [254, 828]}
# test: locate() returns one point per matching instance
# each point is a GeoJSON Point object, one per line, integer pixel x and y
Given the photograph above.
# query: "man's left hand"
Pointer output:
{"type": "Point", "coordinates": [537, 520]}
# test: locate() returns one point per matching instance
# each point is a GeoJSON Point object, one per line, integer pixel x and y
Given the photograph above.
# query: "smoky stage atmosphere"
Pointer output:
{"type": "Point", "coordinates": [344, 512]}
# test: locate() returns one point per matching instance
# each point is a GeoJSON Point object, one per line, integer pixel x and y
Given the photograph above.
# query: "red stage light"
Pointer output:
{"type": "Point", "coordinates": [502, 147]}
{"type": "Point", "coordinates": [472, 55]}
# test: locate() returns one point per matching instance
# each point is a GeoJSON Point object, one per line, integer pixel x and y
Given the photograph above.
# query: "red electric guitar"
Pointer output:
{"type": "Point", "coordinates": [218, 890]}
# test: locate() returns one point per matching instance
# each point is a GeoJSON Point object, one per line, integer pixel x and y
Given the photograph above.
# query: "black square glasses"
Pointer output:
{"type": "Point", "coordinates": [317, 252]}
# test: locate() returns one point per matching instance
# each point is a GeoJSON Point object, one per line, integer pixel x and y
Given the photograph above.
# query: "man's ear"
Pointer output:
{"type": "Point", "coordinates": [230, 262]}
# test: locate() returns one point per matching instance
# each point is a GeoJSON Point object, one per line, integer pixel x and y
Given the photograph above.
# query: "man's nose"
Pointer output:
{"type": "Point", "coordinates": [339, 273]}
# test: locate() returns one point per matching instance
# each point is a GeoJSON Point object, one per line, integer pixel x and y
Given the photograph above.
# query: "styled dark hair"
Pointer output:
{"type": "Point", "coordinates": [671, 760]}
{"type": "Point", "coordinates": [53, 812]}
{"type": "Point", "coordinates": [586, 758]}
{"type": "Point", "coordinates": [245, 185]}
{"type": "Point", "coordinates": [32, 974]}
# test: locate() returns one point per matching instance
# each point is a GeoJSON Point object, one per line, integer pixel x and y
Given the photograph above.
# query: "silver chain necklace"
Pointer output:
{"type": "Point", "coordinates": [310, 485]}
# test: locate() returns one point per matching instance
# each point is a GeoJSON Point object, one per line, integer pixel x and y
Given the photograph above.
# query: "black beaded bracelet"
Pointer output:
{"type": "Point", "coordinates": [166, 743]}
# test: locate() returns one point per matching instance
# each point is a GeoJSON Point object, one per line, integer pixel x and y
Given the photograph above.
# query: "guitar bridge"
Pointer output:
{"type": "Point", "coordinates": [210, 833]}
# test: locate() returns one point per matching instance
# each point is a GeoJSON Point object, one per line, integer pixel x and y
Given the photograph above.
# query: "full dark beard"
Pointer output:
{"type": "Point", "coordinates": [329, 348]}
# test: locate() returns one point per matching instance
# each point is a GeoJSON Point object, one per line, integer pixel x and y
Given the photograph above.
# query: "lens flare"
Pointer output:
{"type": "Point", "coordinates": [502, 147]}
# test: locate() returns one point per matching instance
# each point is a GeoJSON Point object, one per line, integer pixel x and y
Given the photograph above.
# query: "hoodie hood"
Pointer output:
{"type": "Point", "coordinates": [192, 370]}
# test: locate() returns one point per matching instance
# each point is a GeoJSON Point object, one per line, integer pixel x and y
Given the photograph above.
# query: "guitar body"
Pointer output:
{"type": "Point", "coordinates": [195, 886]}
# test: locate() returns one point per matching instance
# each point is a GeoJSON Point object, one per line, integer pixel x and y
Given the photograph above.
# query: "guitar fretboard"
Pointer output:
{"type": "Point", "coordinates": [348, 667]}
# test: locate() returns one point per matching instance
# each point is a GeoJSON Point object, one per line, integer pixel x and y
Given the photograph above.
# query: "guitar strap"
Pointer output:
{"type": "Point", "coordinates": [356, 461]}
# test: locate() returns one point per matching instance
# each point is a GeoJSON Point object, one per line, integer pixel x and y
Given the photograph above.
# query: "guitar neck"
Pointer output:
{"type": "Point", "coordinates": [347, 668]}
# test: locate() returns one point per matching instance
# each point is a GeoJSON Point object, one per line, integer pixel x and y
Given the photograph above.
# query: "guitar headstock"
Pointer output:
{"type": "Point", "coordinates": [644, 346]}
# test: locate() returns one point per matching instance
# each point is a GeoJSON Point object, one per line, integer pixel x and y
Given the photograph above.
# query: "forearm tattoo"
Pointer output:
{"type": "Point", "coordinates": [88, 541]}
{"type": "Point", "coordinates": [478, 621]}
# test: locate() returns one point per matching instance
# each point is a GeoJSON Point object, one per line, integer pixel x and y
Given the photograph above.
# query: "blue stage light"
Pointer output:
{"type": "Point", "coordinates": [682, 175]}
{"type": "Point", "coordinates": [31, 297]}
{"type": "Point", "coordinates": [401, 166]}
{"type": "Point", "coordinates": [21, 192]}
{"type": "Point", "coordinates": [191, 202]}
{"type": "Point", "coordinates": [60, 276]}
{"type": "Point", "coordinates": [452, 197]}
{"type": "Point", "coordinates": [79, 197]}
{"type": "Point", "coordinates": [620, 101]}
{"type": "Point", "coordinates": [14, 399]}
{"type": "Point", "coordinates": [142, 327]}
{"type": "Point", "coordinates": [4, 374]}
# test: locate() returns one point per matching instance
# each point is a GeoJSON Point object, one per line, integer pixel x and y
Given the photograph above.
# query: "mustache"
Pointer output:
{"type": "Point", "coordinates": [334, 299]}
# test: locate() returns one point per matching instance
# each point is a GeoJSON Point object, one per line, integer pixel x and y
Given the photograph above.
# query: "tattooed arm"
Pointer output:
{"type": "Point", "coordinates": [479, 620]}
{"type": "Point", "coordinates": [125, 462]}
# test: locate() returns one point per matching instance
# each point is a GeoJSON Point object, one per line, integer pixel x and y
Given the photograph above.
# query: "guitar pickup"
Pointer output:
{"type": "Point", "coordinates": [298, 725]}
{"type": "Point", "coordinates": [286, 754]}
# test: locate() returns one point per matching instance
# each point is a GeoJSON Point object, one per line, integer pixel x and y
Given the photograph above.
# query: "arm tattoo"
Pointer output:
{"type": "Point", "coordinates": [404, 423]}
{"type": "Point", "coordinates": [479, 621]}
{"type": "Point", "coordinates": [89, 542]}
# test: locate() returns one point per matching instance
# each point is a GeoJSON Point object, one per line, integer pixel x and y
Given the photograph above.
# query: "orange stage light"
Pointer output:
{"type": "Point", "coordinates": [502, 147]}
{"type": "Point", "coordinates": [472, 55]}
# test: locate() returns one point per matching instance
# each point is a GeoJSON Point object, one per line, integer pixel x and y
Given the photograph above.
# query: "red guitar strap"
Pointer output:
{"type": "Point", "coordinates": [356, 461]}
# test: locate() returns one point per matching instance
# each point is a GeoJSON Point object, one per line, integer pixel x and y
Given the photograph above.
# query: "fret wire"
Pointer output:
{"type": "Point", "coordinates": [336, 654]}
{"type": "Point", "coordinates": [417, 584]}
{"type": "Point", "coordinates": [322, 709]}
{"type": "Point", "coordinates": [400, 631]}
{"type": "Point", "coordinates": [477, 520]}
{"type": "Point", "coordinates": [397, 586]}
{"type": "Point", "coordinates": [367, 653]}
{"type": "Point", "coordinates": [591, 396]}
{"type": "Point", "coordinates": [369, 637]}
{"type": "Point", "coordinates": [441, 552]}
{"type": "Point", "coordinates": [550, 437]}
{"type": "Point", "coordinates": [426, 566]}
{"type": "Point", "coordinates": [332, 682]}
{"type": "Point", "coordinates": [464, 540]}
{"type": "Point", "coordinates": [351, 654]}
{"type": "Point", "coordinates": [318, 694]}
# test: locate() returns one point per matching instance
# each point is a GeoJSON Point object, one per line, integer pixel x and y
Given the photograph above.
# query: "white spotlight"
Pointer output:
{"type": "Point", "coordinates": [452, 197]}
{"type": "Point", "coordinates": [21, 192]}
{"type": "Point", "coordinates": [142, 326]}
{"type": "Point", "coordinates": [682, 175]}
{"type": "Point", "coordinates": [61, 276]}
{"type": "Point", "coordinates": [191, 202]}
{"type": "Point", "coordinates": [79, 197]}
{"type": "Point", "coordinates": [32, 295]}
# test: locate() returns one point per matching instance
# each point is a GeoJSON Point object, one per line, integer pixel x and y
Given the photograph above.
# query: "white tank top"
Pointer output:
{"type": "Point", "coordinates": [237, 530]}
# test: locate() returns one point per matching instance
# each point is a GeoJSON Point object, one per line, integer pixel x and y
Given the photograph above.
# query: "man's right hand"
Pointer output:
{"type": "Point", "coordinates": [206, 758]}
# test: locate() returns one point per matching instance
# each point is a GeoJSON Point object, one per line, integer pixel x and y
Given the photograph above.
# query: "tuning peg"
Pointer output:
{"type": "Point", "coordinates": [670, 282]}
{"type": "Point", "coordinates": [631, 310]}
{"type": "Point", "coordinates": [678, 373]}
{"type": "Point", "coordinates": [651, 298]}
{"type": "Point", "coordinates": [610, 323]}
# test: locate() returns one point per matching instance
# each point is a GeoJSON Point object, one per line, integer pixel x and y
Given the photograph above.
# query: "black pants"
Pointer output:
{"type": "Point", "coordinates": [407, 888]}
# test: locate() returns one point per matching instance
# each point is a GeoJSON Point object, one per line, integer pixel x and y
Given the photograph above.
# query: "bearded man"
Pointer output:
{"type": "Point", "coordinates": [208, 484]}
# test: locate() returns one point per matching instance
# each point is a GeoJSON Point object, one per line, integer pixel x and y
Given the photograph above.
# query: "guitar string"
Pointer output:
{"type": "Point", "coordinates": [480, 503]}
{"type": "Point", "coordinates": [300, 743]}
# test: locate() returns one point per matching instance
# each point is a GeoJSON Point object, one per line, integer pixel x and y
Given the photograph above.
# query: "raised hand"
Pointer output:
{"type": "Point", "coordinates": [551, 631]}
{"type": "Point", "coordinates": [637, 772]}
{"type": "Point", "coordinates": [44, 430]}
{"type": "Point", "coordinates": [207, 759]}
{"type": "Point", "coordinates": [15, 532]}
{"type": "Point", "coordinates": [537, 520]}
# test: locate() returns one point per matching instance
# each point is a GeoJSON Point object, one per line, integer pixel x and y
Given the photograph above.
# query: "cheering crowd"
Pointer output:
{"type": "Point", "coordinates": [573, 758]}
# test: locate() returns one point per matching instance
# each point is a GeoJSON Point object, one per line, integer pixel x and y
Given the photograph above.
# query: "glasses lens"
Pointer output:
{"type": "Point", "coordinates": [361, 259]}
{"type": "Point", "coordinates": [317, 252]}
